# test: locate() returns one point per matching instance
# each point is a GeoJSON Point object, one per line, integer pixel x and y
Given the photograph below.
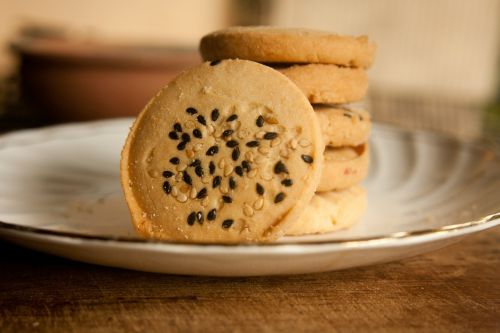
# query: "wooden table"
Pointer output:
{"type": "Point", "coordinates": [455, 289]}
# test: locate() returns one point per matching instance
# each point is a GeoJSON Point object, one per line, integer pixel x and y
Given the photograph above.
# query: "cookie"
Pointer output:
{"type": "Point", "coordinates": [331, 211]}
{"type": "Point", "coordinates": [230, 151]}
{"type": "Point", "coordinates": [344, 167]}
{"type": "Point", "coordinates": [287, 45]}
{"type": "Point", "coordinates": [328, 83]}
{"type": "Point", "coordinates": [342, 126]}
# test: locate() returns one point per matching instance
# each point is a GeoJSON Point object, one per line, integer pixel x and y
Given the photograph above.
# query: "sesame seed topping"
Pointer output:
{"type": "Point", "coordinates": [212, 150]}
{"type": "Point", "coordinates": [246, 166]}
{"type": "Point", "coordinates": [215, 62]}
{"type": "Point", "coordinates": [252, 144]}
{"type": "Point", "coordinates": [187, 178]}
{"type": "Point", "coordinates": [232, 143]}
{"type": "Point", "coordinates": [235, 154]}
{"type": "Point", "coordinates": [201, 120]}
{"type": "Point", "coordinates": [215, 114]}
{"type": "Point", "coordinates": [167, 187]}
{"type": "Point", "coordinates": [259, 188]}
{"type": "Point", "coordinates": [227, 223]}
{"type": "Point", "coordinates": [348, 115]}
{"type": "Point", "coordinates": [216, 182]}
{"type": "Point", "coordinates": [239, 170]}
{"type": "Point", "coordinates": [191, 111]}
{"type": "Point", "coordinates": [227, 133]}
{"type": "Point", "coordinates": [178, 127]}
{"type": "Point", "coordinates": [280, 167]}
{"type": "Point", "coordinates": [279, 197]}
{"type": "Point", "coordinates": [232, 117]}
{"type": "Point", "coordinates": [232, 183]}
{"type": "Point", "coordinates": [199, 217]}
{"type": "Point", "coordinates": [173, 135]}
{"type": "Point", "coordinates": [260, 121]}
{"type": "Point", "coordinates": [185, 137]}
{"type": "Point", "coordinates": [211, 167]}
{"type": "Point", "coordinates": [212, 214]}
{"type": "Point", "coordinates": [167, 174]}
{"type": "Point", "coordinates": [199, 171]}
{"type": "Point", "coordinates": [195, 163]}
{"type": "Point", "coordinates": [202, 194]}
{"type": "Point", "coordinates": [197, 133]}
{"type": "Point", "coordinates": [174, 160]}
{"type": "Point", "coordinates": [307, 159]}
{"type": "Point", "coordinates": [270, 135]}
{"type": "Point", "coordinates": [181, 145]}
{"type": "Point", "coordinates": [227, 199]}
{"type": "Point", "coordinates": [287, 182]}
{"type": "Point", "coordinates": [191, 218]}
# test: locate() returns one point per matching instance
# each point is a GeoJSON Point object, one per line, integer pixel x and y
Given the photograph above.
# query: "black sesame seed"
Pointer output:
{"type": "Point", "coordinates": [232, 117]}
{"type": "Point", "coordinates": [212, 214]}
{"type": "Point", "coordinates": [215, 62]}
{"type": "Point", "coordinates": [178, 127]}
{"type": "Point", "coordinates": [287, 182]}
{"type": "Point", "coordinates": [307, 158]}
{"type": "Point", "coordinates": [191, 218]}
{"type": "Point", "coordinates": [260, 121]}
{"type": "Point", "coordinates": [270, 135]}
{"type": "Point", "coordinates": [227, 133]}
{"type": "Point", "coordinates": [280, 167]}
{"type": "Point", "coordinates": [227, 199]}
{"type": "Point", "coordinates": [197, 133]}
{"type": "Point", "coordinates": [259, 188]}
{"type": "Point", "coordinates": [201, 120]}
{"type": "Point", "coordinates": [185, 137]}
{"type": "Point", "coordinates": [215, 114]}
{"type": "Point", "coordinates": [216, 182]}
{"type": "Point", "coordinates": [174, 160]}
{"type": "Point", "coordinates": [181, 145]}
{"type": "Point", "coordinates": [211, 167]}
{"type": "Point", "coordinates": [227, 223]}
{"type": "Point", "coordinates": [199, 217]}
{"type": "Point", "coordinates": [252, 144]}
{"type": "Point", "coordinates": [232, 143]}
{"type": "Point", "coordinates": [195, 163]}
{"type": "Point", "coordinates": [235, 154]}
{"type": "Point", "coordinates": [232, 183]}
{"type": "Point", "coordinates": [202, 194]}
{"type": "Point", "coordinates": [361, 118]}
{"type": "Point", "coordinates": [212, 150]}
{"type": "Point", "coordinates": [199, 171]}
{"type": "Point", "coordinates": [191, 111]}
{"type": "Point", "coordinates": [187, 178]}
{"type": "Point", "coordinates": [246, 166]}
{"type": "Point", "coordinates": [173, 135]}
{"type": "Point", "coordinates": [167, 187]}
{"type": "Point", "coordinates": [167, 174]}
{"type": "Point", "coordinates": [279, 197]}
{"type": "Point", "coordinates": [239, 170]}
{"type": "Point", "coordinates": [348, 115]}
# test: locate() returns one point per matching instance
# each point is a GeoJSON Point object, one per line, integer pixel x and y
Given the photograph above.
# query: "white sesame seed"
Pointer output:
{"type": "Point", "coordinates": [266, 176]}
{"type": "Point", "coordinates": [228, 169]}
{"type": "Point", "coordinates": [293, 144]}
{"type": "Point", "coordinates": [182, 197]}
{"type": "Point", "coordinates": [252, 173]}
{"type": "Point", "coordinates": [247, 210]}
{"type": "Point", "coordinates": [193, 193]}
{"type": "Point", "coordinates": [258, 204]}
{"type": "Point", "coordinates": [275, 142]}
{"type": "Point", "coordinates": [181, 167]}
{"type": "Point", "coordinates": [174, 191]}
{"type": "Point", "coordinates": [197, 147]}
{"type": "Point", "coordinates": [190, 153]}
{"type": "Point", "coordinates": [205, 180]}
{"type": "Point", "coordinates": [304, 143]}
{"type": "Point", "coordinates": [263, 150]}
{"type": "Point", "coordinates": [260, 134]}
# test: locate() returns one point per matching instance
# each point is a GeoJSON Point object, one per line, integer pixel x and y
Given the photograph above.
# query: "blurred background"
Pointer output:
{"type": "Point", "coordinates": [437, 64]}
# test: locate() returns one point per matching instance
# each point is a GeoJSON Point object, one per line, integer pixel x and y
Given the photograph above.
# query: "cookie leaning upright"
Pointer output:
{"type": "Point", "coordinates": [229, 151]}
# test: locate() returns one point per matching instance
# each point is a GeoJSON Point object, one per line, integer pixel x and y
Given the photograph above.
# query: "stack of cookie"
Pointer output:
{"type": "Point", "coordinates": [331, 71]}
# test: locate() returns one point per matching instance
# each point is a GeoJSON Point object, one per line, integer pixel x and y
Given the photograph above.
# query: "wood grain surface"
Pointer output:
{"type": "Point", "coordinates": [456, 289]}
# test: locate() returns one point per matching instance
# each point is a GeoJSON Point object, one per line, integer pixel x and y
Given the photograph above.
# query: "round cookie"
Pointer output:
{"type": "Point", "coordinates": [230, 151]}
{"type": "Point", "coordinates": [328, 83]}
{"type": "Point", "coordinates": [287, 45]}
{"type": "Point", "coordinates": [331, 211]}
{"type": "Point", "coordinates": [344, 167]}
{"type": "Point", "coordinates": [343, 127]}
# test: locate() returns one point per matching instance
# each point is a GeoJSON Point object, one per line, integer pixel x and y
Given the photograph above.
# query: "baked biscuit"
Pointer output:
{"type": "Point", "coordinates": [344, 167]}
{"type": "Point", "coordinates": [342, 126]}
{"type": "Point", "coordinates": [230, 151]}
{"type": "Point", "coordinates": [287, 45]}
{"type": "Point", "coordinates": [328, 83]}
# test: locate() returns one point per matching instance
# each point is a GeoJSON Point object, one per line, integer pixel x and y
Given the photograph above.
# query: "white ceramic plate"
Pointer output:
{"type": "Point", "coordinates": [60, 194]}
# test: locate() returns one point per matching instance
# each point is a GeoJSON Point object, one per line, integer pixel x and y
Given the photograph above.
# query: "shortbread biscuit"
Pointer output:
{"type": "Point", "coordinates": [328, 83]}
{"type": "Point", "coordinates": [230, 151]}
{"type": "Point", "coordinates": [331, 211]}
{"type": "Point", "coordinates": [344, 167]}
{"type": "Point", "coordinates": [342, 126]}
{"type": "Point", "coordinates": [282, 45]}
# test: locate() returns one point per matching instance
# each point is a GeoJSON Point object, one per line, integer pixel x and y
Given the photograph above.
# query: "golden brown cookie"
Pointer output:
{"type": "Point", "coordinates": [328, 83]}
{"type": "Point", "coordinates": [342, 126]}
{"type": "Point", "coordinates": [287, 45]}
{"type": "Point", "coordinates": [331, 211]}
{"type": "Point", "coordinates": [230, 151]}
{"type": "Point", "coordinates": [344, 167]}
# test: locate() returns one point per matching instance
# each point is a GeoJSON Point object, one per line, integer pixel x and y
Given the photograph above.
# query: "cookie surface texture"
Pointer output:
{"type": "Point", "coordinates": [343, 127]}
{"type": "Point", "coordinates": [281, 45]}
{"type": "Point", "coordinates": [331, 211]}
{"type": "Point", "coordinates": [328, 83]}
{"type": "Point", "coordinates": [229, 151]}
